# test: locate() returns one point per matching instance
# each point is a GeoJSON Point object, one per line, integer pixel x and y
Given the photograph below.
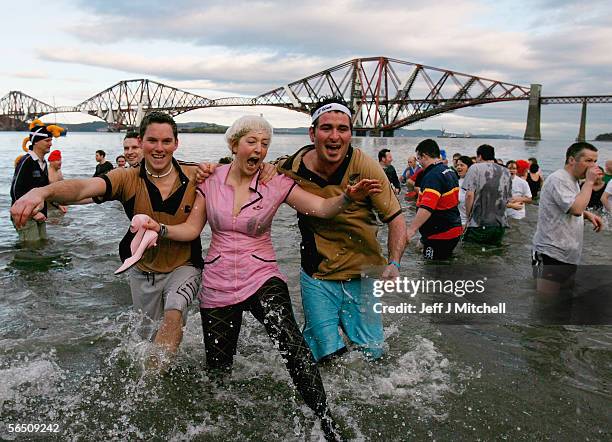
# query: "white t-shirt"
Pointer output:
{"type": "Point", "coordinates": [520, 187]}
{"type": "Point", "coordinates": [492, 187]}
{"type": "Point", "coordinates": [559, 234]}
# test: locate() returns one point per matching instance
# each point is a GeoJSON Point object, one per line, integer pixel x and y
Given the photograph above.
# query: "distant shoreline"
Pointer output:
{"type": "Point", "coordinates": [213, 128]}
{"type": "Point", "coordinates": [604, 137]}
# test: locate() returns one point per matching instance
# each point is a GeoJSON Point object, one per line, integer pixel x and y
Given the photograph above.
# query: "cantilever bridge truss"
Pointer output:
{"type": "Point", "coordinates": [383, 93]}
{"type": "Point", "coordinates": [125, 103]}
{"type": "Point", "coordinates": [18, 106]}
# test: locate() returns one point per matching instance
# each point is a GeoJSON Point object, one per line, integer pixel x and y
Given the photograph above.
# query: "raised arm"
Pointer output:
{"type": "Point", "coordinates": [582, 199]}
{"type": "Point", "coordinates": [190, 229]}
{"type": "Point", "coordinates": [64, 191]}
{"type": "Point", "coordinates": [313, 205]}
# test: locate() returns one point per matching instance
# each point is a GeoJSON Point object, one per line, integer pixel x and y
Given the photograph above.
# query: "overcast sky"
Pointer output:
{"type": "Point", "coordinates": [65, 51]}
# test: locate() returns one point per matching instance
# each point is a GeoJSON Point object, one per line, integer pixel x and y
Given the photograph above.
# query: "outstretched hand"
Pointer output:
{"type": "Point", "coordinates": [28, 206]}
{"type": "Point", "coordinates": [363, 189]}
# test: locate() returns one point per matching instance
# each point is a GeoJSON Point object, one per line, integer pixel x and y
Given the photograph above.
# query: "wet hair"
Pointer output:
{"type": "Point", "coordinates": [534, 168]}
{"type": "Point", "coordinates": [486, 152]}
{"type": "Point", "coordinates": [511, 162]}
{"type": "Point", "coordinates": [466, 160]}
{"type": "Point", "coordinates": [532, 160]}
{"type": "Point", "coordinates": [243, 126]}
{"type": "Point", "coordinates": [130, 134]}
{"type": "Point", "coordinates": [575, 150]}
{"type": "Point", "coordinates": [159, 118]}
{"type": "Point", "coordinates": [225, 160]}
{"type": "Point", "coordinates": [101, 153]}
{"type": "Point", "coordinates": [382, 154]}
{"type": "Point", "coordinates": [428, 147]}
{"type": "Point", "coordinates": [18, 159]}
{"type": "Point", "coordinates": [324, 101]}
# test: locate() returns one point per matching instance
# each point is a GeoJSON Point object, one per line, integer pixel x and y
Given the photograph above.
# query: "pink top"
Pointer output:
{"type": "Point", "coordinates": [240, 257]}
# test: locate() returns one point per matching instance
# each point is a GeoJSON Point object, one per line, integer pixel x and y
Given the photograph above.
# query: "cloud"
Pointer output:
{"type": "Point", "coordinates": [424, 32]}
{"type": "Point", "coordinates": [251, 47]}
{"type": "Point", "coordinates": [251, 73]}
{"type": "Point", "coordinates": [288, 40]}
{"type": "Point", "coordinates": [35, 75]}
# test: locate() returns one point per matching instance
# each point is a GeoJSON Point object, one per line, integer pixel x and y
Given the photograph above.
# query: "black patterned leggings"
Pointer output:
{"type": "Point", "coordinates": [271, 306]}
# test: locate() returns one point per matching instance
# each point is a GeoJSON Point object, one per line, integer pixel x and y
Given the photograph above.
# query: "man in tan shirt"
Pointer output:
{"type": "Point", "coordinates": [167, 277]}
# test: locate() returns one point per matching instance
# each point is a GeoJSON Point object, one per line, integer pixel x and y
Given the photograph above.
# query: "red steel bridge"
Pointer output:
{"type": "Point", "coordinates": [383, 93]}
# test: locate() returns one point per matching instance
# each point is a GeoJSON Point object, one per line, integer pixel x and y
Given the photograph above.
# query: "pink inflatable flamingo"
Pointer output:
{"type": "Point", "coordinates": [144, 239]}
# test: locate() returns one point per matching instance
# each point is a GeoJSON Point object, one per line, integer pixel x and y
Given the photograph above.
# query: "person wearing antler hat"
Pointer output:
{"type": "Point", "coordinates": [31, 171]}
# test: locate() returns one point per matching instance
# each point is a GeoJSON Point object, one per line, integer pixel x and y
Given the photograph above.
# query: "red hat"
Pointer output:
{"type": "Point", "coordinates": [522, 166]}
{"type": "Point", "coordinates": [56, 155]}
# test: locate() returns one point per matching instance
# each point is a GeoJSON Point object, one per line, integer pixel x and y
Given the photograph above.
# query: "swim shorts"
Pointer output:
{"type": "Point", "coordinates": [154, 293]}
{"type": "Point", "coordinates": [348, 304]}
{"type": "Point", "coordinates": [551, 269]}
{"type": "Point", "coordinates": [32, 231]}
{"type": "Point", "coordinates": [439, 248]}
{"type": "Point", "coordinates": [489, 235]}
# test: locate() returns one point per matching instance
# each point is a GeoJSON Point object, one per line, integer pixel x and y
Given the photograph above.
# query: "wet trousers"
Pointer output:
{"type": "Point", "coordinates": [271, 306]}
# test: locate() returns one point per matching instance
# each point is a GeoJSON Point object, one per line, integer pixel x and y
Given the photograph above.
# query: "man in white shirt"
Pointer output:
{"type": "Point", "coordinates": [558, 240]}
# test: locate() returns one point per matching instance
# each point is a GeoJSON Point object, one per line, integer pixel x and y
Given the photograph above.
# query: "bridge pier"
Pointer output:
{"type": "Point", "coordinates": [386, 133]}
{"type": "Point", "coordinates": [582, 131]}
{"type": "Point", "coordinates": [532, 131]}
{"type": "Point", "coordinates": [360, 132]}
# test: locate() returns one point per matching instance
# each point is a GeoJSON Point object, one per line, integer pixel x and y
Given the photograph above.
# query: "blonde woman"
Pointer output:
{"type": "Point", "coordinates": [240, 271]}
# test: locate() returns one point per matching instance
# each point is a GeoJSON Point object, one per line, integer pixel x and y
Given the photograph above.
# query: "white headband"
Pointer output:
{"type": "Point", "coordinates": [331, 107]}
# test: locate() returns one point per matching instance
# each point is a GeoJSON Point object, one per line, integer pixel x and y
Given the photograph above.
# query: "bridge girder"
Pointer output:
{"type": "Point", "coordinates": [577, 99]}
{"type": "Point", "coordinates": [383, 93]}
{"type": "Point", "coordinates": [17, 107]}
{"type": "Point", "coordinates": [125, 103]}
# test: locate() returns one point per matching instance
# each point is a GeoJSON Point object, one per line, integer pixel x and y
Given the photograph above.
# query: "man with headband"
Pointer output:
{"type": "Point", "coordinates": [31, 172]}
{"type": "Point", "coordinates": [337, 253]}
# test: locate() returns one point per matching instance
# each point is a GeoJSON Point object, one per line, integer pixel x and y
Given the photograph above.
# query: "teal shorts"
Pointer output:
{"type": "Point", "coordinates": [329, 305]}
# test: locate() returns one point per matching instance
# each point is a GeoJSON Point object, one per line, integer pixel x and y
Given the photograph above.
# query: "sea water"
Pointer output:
{"type": "Point", "coordinates": [72, 355]}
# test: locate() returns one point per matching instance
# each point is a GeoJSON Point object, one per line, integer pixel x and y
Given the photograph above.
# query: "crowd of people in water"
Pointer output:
{"type": "Point", "coordinates": [340, 195]}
